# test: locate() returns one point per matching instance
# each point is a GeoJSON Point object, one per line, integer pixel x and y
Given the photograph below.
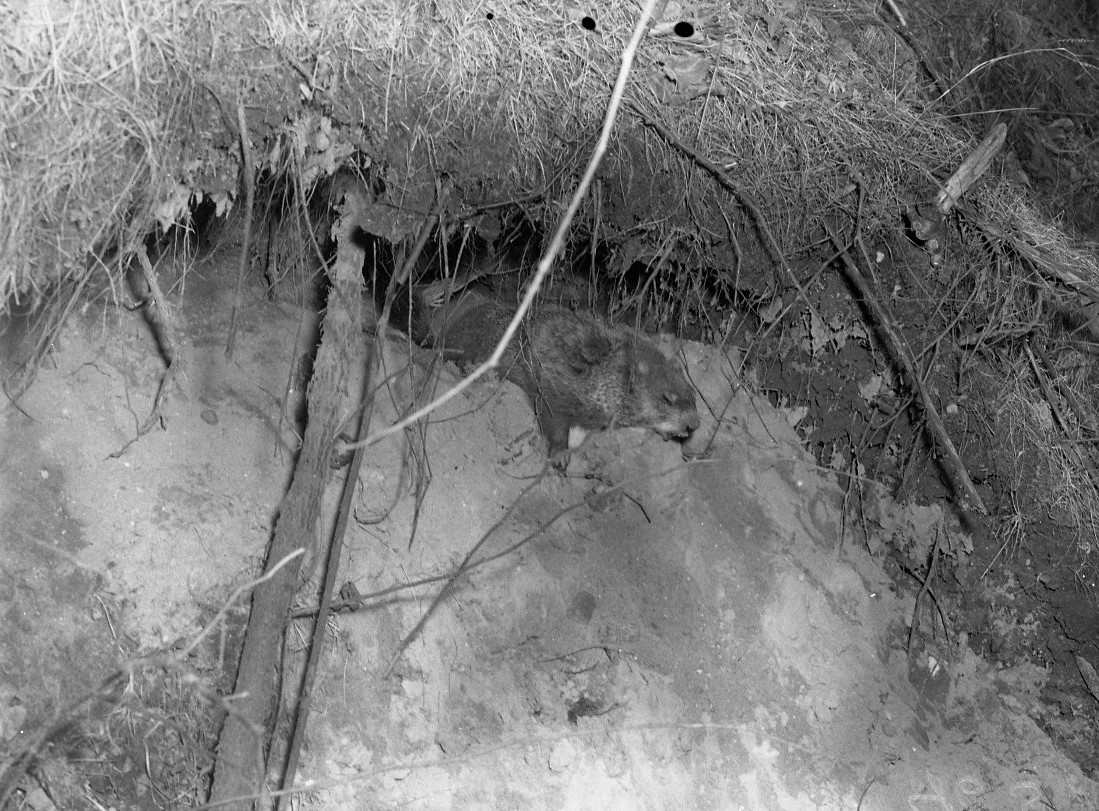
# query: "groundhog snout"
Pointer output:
{"type": "Point", "coordinates": [680, 428]}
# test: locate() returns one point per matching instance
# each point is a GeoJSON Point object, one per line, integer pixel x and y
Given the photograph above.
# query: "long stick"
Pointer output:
{"type": "Point", "coordinates": [951, 462]}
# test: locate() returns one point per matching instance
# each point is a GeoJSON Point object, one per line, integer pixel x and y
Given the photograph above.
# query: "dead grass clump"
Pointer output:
{"type": "Point", "coordinates": [144, 739]}
{"type": "Point", "coordinates": [504, 102]}
{"type": "Point", "coordinates": [1042, 477]}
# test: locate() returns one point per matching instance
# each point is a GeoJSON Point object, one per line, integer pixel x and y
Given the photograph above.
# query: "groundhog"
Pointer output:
{"type": "Point", "coordinates": [580, 374]}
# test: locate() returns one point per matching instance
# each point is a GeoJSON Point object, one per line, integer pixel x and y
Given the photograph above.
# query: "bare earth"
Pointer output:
{"type": "Point", "coordinates": [705, 634]}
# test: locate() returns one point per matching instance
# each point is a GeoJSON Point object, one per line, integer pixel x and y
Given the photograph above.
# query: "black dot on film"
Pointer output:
{"type": "Point", "coordinates": [588, 23]}
{"type": "Point", "coordinates": [489, 16]}
{"type": "Point", "coordinates": [684, 29]}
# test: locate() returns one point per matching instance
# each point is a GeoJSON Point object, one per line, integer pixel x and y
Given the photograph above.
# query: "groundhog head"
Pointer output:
{"type": "Point", "coordinates": [660, 397]}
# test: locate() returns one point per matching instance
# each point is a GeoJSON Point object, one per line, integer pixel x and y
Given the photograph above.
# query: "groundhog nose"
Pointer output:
{"type": "Point", "coordinates": [681, 429]}
{"type": "Point", "coordinates": [688, 425]}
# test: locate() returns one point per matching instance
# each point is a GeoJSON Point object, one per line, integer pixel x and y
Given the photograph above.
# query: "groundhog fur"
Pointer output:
{"type": "Point", "coordinates": [580, 374]}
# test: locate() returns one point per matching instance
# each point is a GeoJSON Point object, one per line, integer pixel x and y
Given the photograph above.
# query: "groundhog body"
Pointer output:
{"type": "Point", "coordinates": [580, 374]}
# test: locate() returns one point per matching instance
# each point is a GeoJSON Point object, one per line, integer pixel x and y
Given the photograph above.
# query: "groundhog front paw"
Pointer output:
{"type": "Point", "coordinates": [560, 460]}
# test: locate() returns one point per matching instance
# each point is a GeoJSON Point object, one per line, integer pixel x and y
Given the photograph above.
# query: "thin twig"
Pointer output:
{"type": "Point", "coordinates": [925, 588]}
{"type": "Point", "coordinates": [555, 245]}
{"type": "Point", "coordinates": [950, 460]}
{"type": "Point", "coordinates": [468, 564]}
{"type": "Point", "coordinates": [904, 32]}
{"type": "Point", "coordinates": [16, 766]}
{"type": "Point", "coordinates": [742, 197]}
{"type": "Point", "coordinates": [1071, 449]}
{"type": "Point", "coordinates": [158, 314]}
{"type": "Point", "coordinates": [236, 595]}
{"type": "Point", "coordinates": [462, 568]}
{"type": "Point", "coordinates": [249, 180]}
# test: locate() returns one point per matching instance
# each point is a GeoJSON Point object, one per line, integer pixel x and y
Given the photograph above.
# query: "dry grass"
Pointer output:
{"type": "Point", "coordinates": [145, 738]}
{"type": "Point", "coordinates": [119, 118]}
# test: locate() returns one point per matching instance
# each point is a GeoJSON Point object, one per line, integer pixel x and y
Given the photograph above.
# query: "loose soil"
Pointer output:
{"type": "Point", "coordinates": [715, 632]}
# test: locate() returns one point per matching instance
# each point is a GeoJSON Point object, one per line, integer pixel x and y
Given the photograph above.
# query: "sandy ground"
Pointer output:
{"type": "Point", "coordinates": [708, 634]}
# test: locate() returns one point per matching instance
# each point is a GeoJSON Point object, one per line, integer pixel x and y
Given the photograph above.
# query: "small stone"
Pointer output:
{"type": "Point", "coordinates": [583, 607]}
{"type": "Point", "coordinates": [561, 756]}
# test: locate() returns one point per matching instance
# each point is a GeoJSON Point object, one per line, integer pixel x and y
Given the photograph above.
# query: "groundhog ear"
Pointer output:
{"type": "Point", "coordinates": [591, 350]}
